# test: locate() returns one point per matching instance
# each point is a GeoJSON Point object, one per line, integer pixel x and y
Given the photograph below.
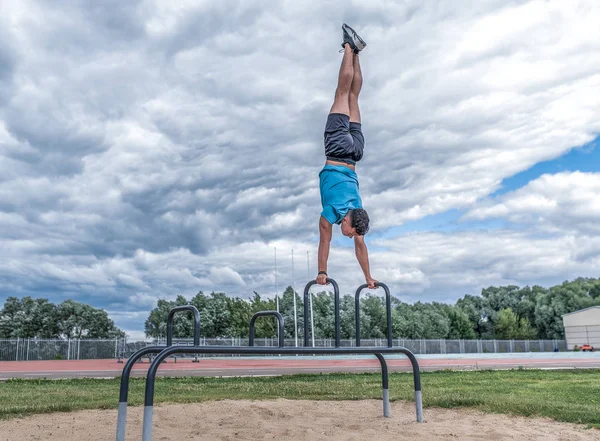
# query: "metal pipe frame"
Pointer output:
{"type": "Point", "coordinates": [124, 388]}
{"type": "Point", "coordinates": [182, 308]}
{"type": "Point", "coordinates": [388, 307]}
{"type": "Point", "coordinates": [336, 300]}
{"type": "Point", "coordinates": [275, 314]}
{"type": "Point", "coordinates": [378, 352]}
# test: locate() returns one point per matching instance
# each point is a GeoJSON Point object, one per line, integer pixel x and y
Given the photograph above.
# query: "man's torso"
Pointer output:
{"type": "Point", "coordinates": [339, 188]}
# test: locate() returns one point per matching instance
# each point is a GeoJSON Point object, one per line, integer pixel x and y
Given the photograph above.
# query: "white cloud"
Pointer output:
{"type": "Point", "coordinates": [143, 300]}
{"type": "Point", "coordinates": [565, 202]}
{"type": "Point", "coordinates": [225, 276]}
{"type": "Point", "coordinates": [165, 149]}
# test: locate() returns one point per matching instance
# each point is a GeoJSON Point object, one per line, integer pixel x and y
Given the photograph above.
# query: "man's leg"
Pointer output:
{"type": "Point", "coordinates": [341, 103]}
{"type": "Point", "coordinates": [357, 81]}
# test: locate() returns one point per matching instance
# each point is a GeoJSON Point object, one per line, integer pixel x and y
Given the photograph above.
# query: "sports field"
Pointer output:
{"type": "Point", "coordinates": [349, 403]}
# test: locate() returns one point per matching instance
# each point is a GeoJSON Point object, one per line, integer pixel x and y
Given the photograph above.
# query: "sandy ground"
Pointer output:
{"type": "Point", "coordinates": [292, 420]}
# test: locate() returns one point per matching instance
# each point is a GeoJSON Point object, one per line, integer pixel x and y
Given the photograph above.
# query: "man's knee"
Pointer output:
{"type": "Point", "coordinates": [342, 93]}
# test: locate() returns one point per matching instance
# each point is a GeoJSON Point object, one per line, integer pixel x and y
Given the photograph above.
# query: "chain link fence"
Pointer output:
{"type": "Point", "coordinates": [57, 349]}
{"type": "Point", "coordinates": [86, 349]}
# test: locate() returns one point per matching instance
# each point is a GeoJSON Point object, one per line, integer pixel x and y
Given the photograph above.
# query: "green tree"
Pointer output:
{"type": "Point", "coordinates": [265, 327]}
{"type": "Point", "coordinates": [286, 308]}
{"type": "Point", "coordinates": [78, 320]}
{"type": "Point", "coordinates": [560, 300]}
{"type": "Point", "coordinates": [347, 317]}
{"type": "Point", "coordinates": [156, 323]}
{"type": "Point", "coordinates": [324, 315]}
{"type": "Point", "coordinates": [526, 331]}
{"type": "Point", "coordinates": [594, 291]}
{"type": "Point", "coordinates": [460, 327]}
{"type": "Point", "coordinates": [509, 326]}
{"type": "Point", "coordinates": [372, 317]}
{"type": "Point", "coordinates": [240, 312]}
{"type": "Point", "coordinates": [216, 317]}
{"type": "Point", "coordinates": [506, 326]}
{"type": "Point", "coordinates": [479, 314]}
{"type": "Point", "coordinates": [28, 318]}
{"type": "Point", "coordinates": [39, 318]}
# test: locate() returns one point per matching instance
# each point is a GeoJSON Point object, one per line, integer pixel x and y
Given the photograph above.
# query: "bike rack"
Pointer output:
{"type": "Point", "coordinates": [336, 300]}
{"type": "Point", "coordinates": [388, 307]}
{"type": "Point", "coordinates": [124, 389]}
{"type": "Point", "coordinates": [275, 314]}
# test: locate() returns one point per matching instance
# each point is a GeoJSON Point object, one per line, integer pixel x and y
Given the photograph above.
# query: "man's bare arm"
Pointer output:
{"type": "Point", "coordinates": [362, 255]}
{"type": "Point", "coordinates": [325, 232]}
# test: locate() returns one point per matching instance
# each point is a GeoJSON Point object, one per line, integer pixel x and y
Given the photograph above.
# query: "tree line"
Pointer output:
{"type": "Point", "coordinates": [505, 312]}
{"type": "Point", "coordinates": [40, 318]}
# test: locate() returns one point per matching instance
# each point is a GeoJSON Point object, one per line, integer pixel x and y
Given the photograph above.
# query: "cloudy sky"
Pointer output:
{"type": "Point", "coordinates": [151, 148]}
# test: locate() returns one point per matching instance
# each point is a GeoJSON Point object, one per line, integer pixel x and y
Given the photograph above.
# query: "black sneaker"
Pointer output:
{"type": "Point", "coordinates": [352, 38]}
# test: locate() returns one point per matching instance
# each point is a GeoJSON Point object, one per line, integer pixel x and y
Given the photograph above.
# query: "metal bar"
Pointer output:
{"type": "Point", "coordinates": [388, 307]}
{"type": "Point", "coordinates": [295, 308]}
{"type": "Point", "coordinates": [151, 377]}
{"type": "Point", "coordinates": [336, 300]}
{"type": "Point", "coordinates": [275, 314]}
{"type": "Point", "coordinates": [124, 389]}
{"type": "Point", "coordinates": [384, 385]}
{"type": "Point", "coordinates": [357, 316]}
{"type": "Point", "coordinates": [417, 383]}
{"type": "Point", "coordinates": [172, 312]}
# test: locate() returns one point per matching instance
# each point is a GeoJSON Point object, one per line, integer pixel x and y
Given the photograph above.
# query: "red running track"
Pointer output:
{"type": "Point", "coordinates": [272, 366]}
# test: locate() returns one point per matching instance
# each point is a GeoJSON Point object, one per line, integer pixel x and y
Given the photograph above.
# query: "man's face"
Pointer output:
{"type": "Point", "coordinates": [347, 229]}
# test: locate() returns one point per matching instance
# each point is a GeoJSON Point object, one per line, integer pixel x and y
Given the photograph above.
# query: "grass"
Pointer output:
{"type": "Point", "coordinates": [564, 395]}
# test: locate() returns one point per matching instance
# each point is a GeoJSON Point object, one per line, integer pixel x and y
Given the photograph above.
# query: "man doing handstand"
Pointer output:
{"type": "Point", "coordinates": [344, 144]}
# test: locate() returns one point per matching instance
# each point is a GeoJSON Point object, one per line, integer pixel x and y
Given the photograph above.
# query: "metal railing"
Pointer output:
{"type": "Point", "coordinates": [20, 349]}
{"type": "Point", "coordinates": [86, 349]}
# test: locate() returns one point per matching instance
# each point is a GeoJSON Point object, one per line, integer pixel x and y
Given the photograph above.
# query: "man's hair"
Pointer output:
{"type": "Point", "coordinates": [359, 219]}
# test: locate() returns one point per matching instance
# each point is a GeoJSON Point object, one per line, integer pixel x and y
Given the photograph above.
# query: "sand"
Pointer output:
{"type": "Point", "coordinates": [292, 420]}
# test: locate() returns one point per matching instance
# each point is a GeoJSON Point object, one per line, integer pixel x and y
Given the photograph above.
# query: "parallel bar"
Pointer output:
{"type": "Point", "coordinates": [121, 420]}
{"type": "Point", "coordinates": [172, 312]}
{"type": "Point", "coordinates": [388, 307]}
{"type": "Point", "coordinates": [124, 389]}
{"type": "Point", "coordinates": [378, 352]}
{"type": "Point", "coordinates": [147, 424]}
{"type": "Point", "coordinates": [275, 314]}
{"type": "Point", "coordinates": [386, 403]}
{"type": "Point", "coordinates": [336, 301]}
{"type": "Point", "coordinates": [384, 385]}
{"type": "Point", "coordinates": [419, 405]}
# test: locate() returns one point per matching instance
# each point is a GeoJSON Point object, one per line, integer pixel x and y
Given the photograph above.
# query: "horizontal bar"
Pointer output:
{"type": "Point", "coordinates": [245, 350]}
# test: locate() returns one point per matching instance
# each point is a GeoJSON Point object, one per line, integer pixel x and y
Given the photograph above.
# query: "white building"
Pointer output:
{"type": "Point", "coordinates": [583, 327]}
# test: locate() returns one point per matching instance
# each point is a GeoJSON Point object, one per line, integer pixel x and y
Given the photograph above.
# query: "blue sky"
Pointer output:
{"type": "Point", "coordinates": [584, 158]}
{"type": "Point", "coordinates": [148, 149]}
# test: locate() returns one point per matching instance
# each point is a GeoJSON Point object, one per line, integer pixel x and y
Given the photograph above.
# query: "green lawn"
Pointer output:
{"type": "Point", "coordinates": [564, 395]}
